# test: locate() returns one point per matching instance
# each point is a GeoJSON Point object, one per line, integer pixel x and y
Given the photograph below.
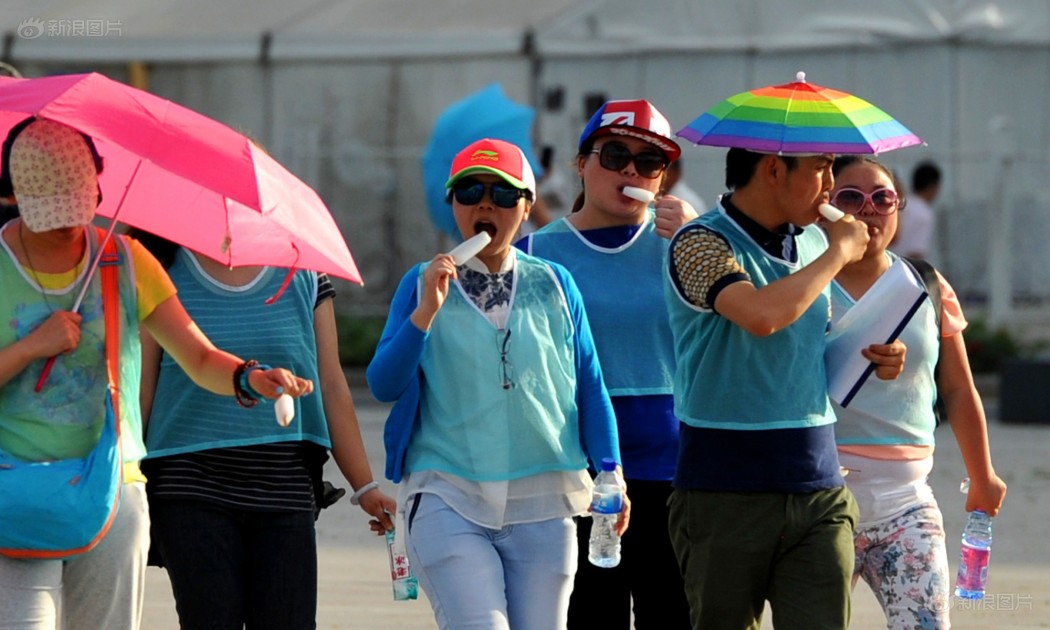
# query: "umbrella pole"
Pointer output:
{"type": "Point", "coordinates": [90, 273]}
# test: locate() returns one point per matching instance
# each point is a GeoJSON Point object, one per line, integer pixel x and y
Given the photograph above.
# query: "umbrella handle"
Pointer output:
{"type": "Point", "coordinates": [44, 373]}
{"type": "Point", "coordinates": [83, 290]}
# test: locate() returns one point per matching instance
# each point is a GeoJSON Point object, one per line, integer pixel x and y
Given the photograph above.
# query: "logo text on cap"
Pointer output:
{"type": "Point", "coordinates": [617, 118]}
{"type": "Point", "coordinates": [485, 154]}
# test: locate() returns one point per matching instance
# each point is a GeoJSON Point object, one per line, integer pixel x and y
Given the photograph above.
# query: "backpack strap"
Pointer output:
{"type": "Point", "coordinates": [929, 277]}
{"type": "Point", "coordinates": [108, 265]}
{"type": "Point", "coordinates": [928, 273]}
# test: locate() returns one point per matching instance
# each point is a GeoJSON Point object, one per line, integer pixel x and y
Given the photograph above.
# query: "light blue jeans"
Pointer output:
{"type": "Point", "coordinates": [517, 577]}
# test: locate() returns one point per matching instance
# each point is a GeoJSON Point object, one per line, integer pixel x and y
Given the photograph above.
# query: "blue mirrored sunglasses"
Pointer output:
{"type": "Point", "coordinates": [470, 192]}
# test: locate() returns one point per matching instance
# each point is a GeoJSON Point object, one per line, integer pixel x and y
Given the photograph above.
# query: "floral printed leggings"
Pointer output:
{"type": "Point", "coordinates": [904, 561]}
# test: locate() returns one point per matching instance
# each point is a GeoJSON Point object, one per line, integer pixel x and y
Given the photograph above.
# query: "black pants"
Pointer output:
{"type": "Point", "coordinates": [648, 571]}
{"type": "Point", "coordinates": [233, 569]}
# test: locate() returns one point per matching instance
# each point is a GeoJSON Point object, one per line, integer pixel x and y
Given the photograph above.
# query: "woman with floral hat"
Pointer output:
{"type": "Point", "coordinates": [499, 405]}
{"type": "Point", "coordinates": [613, 244]}
{"type": "Point", "coordinates": [52, 171]}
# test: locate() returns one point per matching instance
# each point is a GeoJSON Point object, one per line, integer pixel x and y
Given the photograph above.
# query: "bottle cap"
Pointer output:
{"type": "Point", "coordinates": [608, 464]}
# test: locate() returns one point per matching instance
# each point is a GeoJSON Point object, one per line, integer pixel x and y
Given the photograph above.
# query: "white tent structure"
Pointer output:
{"type": "Point", "coordinates": [345, 92]}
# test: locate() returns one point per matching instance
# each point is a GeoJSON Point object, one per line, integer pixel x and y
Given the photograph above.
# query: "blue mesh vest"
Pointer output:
{"type": "Point", "coordinates": [728, 378]}
{"type": "Point", "coordinates": [470, 425]}
{"type": "Point", "coordinates": [187, 418]}
{"type": "Point", "coordinates": [623, 300]}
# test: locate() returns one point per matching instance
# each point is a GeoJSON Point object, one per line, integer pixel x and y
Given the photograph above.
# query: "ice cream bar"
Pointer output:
{"type": "Point", "coordinates": [284, 409]}
{"type": "Point", "coordinates": [830, 212]}
{"type": "Point", "coordinates": [470, 247]}
{"type": "Point", "coordinates": [640, 194]}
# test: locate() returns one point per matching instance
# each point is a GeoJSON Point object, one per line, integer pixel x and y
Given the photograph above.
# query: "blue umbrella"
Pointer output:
{"type": "Point", "coordinates": [484, 114]}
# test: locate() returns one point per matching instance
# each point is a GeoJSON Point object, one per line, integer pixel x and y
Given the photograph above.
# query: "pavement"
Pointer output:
{"type": "Point", "coordinates": [354, 579]}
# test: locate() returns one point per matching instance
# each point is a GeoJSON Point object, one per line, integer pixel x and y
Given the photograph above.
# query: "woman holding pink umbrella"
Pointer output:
{"type": "Point", "coordinates": [52, 171]}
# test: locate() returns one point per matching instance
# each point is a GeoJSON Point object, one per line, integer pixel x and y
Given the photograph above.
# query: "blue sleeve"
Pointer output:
{"type": "Point", "coordinates": [400, 348]}
{"type": "Point", "coordinates": [597, 418]}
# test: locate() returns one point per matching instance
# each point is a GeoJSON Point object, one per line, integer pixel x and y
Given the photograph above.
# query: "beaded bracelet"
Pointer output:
{"type": "Point", "coordinates": [246, 382]}
{"type": "Point", "coordinates": [355, 498]}
{"type": "Point", "coordinates": [244, 394]}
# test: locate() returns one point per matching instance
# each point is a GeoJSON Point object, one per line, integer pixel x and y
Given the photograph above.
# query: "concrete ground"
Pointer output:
{"type": "Point", "coordinates": [355, 590]}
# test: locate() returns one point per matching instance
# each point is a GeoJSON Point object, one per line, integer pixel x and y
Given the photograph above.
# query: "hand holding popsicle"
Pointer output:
{"type": "Point", "coordinates": [671, 213]}
{"type": "Point", "coordinates": [830, 212]}
{"type": "Point", "coordinates": [470, 247]}
{"type": "Point", "coordinates": [639, 194]}
{"type": "Point", "coordinates": [284, 409]}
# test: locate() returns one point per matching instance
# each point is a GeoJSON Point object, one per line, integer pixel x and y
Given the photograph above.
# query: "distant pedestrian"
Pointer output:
{"type": "Point", "coordinates": [918, 223]}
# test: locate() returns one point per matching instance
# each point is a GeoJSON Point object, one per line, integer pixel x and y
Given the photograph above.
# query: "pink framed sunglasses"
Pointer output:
{"type": "Point", "coordinates": [852, 200]}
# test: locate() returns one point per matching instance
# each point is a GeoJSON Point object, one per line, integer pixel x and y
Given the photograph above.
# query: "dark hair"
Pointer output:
{"type": "Point", "coordinates": [843, 162]}
{"type": "Point", "coordinates": [741, 165]}
{"type": "Point", "coordinates": [926, 175]}
{"type": "Point", "coordinates": [7, 188]}
{"type": "Point", "coordinates": [161, 248]}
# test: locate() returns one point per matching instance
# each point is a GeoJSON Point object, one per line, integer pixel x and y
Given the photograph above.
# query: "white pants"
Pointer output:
{"type": "Point", "coordinates": [100, 589]}
{"type": "Point", "coordinates": [887, 488]}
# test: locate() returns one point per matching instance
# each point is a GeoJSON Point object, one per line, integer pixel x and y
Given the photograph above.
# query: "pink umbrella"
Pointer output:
{"type": "Point", "coordinates": [186, 177]}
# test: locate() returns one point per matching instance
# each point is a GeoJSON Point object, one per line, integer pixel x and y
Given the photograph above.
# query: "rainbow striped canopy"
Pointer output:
{"type": "Point", "coordinates": [799, 118]}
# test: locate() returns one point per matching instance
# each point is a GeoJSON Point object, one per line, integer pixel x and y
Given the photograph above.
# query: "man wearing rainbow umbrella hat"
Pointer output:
{"type": "Point", "coordinates": [760, 510]}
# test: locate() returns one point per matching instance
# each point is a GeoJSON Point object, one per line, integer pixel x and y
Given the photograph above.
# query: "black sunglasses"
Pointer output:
{"type": "Point", "coordinates": [470, 192]}
{"type": "Point", "coordinates": [614, 156]}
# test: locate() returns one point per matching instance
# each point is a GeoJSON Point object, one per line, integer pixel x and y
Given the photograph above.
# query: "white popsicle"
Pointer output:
{"type": "Point", "coordinates": [830, 212]}
{"type": "Point", "coordinates": [640, 194]}
{"type": "Point", "coordinates": [284, 409]}
{"type": "Point", "coordinates": [470, 247]}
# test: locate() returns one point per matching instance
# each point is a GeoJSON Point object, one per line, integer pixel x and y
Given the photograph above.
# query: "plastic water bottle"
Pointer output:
{"type": "Point", "coordinates": [976, 550]}
{"type": "Point", "coordinates": [605, 509]}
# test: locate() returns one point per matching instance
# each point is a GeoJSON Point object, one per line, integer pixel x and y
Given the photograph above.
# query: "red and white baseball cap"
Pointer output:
{"type": "Point", "coordinates": [637, 119]}
{"type": "Point", "coordinates": [496, 157]}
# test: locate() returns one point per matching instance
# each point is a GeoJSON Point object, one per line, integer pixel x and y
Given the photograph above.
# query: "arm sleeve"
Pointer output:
{"type": "Point", "coordinates": [325, 289]}
{"type": "Point", "coordinates": [952, 319]}
{"type": "Point", "coordinates": [702, 264]}
{"type": "Point", "coordinates": [152, 283]}
{"type": "Point", "coordinates": [598, 433]}
{"type": "Point", "coordinates": [400, 348]}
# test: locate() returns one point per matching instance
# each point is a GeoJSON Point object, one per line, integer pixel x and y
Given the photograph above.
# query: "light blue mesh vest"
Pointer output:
{"type": "Point", "coordinates": [187, 418]}
{"type": "Point", "coordinates": [728, 378]}
{"type": "Point", "coordinates": [470, 425]}
{"type": "Point", "coordinates": [899, 411]}
{"type": "Point", "coordinates": [623, 300]}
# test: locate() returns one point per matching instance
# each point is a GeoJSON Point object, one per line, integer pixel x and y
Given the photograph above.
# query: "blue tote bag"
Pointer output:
{"type": "Point", "coordinates": [62, 508]}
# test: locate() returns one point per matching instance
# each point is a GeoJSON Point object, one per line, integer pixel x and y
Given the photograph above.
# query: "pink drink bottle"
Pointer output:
{"type": "Point", "coordinates": [973, 558]}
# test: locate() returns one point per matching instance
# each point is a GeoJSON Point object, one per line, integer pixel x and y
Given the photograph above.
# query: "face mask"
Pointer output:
{"type": "Point", "coordinates": [53, 175]}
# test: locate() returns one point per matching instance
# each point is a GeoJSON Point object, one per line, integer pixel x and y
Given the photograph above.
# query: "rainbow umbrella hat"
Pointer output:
{"type": "Point", "coordinates": [799, 118]}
